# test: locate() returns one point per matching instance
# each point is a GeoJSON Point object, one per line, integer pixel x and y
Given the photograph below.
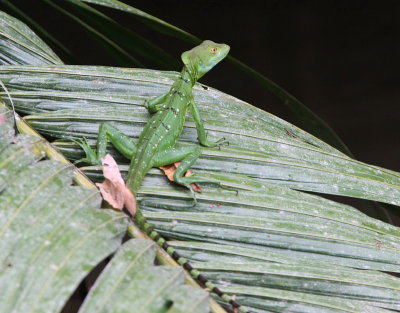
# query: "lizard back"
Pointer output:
{"type": "Point", "coordinates": [162, 131]}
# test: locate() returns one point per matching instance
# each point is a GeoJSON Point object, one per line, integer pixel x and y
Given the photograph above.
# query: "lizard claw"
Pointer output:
{"type": "Point", "coordinates": [236, 190]}
{"type": "Point", "coordinates": [146, 104]}
{"type": "Point", "coordinates": [188, 186]}
{"type": "Point", "coordinates": [218, 143]}
{"type": "Point", "coordinates": [222, 142]}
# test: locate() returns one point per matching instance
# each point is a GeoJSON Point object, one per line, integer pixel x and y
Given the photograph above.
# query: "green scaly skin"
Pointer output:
{"type": "Point", "coordinates": [157, 144]}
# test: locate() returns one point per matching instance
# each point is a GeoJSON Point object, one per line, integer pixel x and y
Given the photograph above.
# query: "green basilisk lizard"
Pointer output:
{"type": "Point", "coordinates": [157, 144]}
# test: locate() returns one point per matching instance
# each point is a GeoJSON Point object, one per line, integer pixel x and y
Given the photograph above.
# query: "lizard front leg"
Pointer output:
{"type": "Point", "coordinates": [107, 132]}
{"type": "Point", "coordinates": [201, 133]}
{"type": "Point", "coordinates": [156, 104]}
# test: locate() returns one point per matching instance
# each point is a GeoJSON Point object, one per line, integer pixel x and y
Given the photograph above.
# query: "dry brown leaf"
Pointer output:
{"type": "Point", "coordinates": [113, 189]}
{"type": "Point", "coordinates": [169, 171]}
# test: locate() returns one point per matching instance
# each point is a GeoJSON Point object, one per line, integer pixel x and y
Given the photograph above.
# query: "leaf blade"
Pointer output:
{"type": "Point", "coordinates": [20, 45]}
{"type": "Point", "coordinates": [129, 272]}
{"type": "Point", "coordinates": [261, 149]}
{"type": "Point", "coordinates": [52, 233]}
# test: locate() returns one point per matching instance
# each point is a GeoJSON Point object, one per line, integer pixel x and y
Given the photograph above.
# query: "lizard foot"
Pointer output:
{"type": "Point", "coordinates": [188, 186]}
{"type": "Point", "coordinates": [222, 142]}
{"type": "Point", "coordinates": [91, 155]}
{"type": "Point", "coordinates": [236, 190]}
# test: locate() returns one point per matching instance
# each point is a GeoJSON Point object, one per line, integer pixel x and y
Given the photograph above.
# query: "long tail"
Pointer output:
{"type": "Point", "coordinates": [153, 234]}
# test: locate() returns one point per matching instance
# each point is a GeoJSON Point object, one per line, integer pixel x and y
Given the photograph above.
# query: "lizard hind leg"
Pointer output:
{"type": "Point", "coordinates": [187, 155]}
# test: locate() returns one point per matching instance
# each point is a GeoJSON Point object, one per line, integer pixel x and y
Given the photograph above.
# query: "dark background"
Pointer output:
{"type": "Point", "coordinates": [340, 58]}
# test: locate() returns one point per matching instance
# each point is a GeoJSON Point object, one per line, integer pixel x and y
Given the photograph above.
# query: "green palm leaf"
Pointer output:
{"type": "Point", "coordinates": [53, 234]}
{"type": "Point", "coordinates": [262, 146]}
{"type": "Point", "coordinates": [276, 248]}
{"type": "Point", "coordinates": [20, 45]}
{"type": "Point", "coordinates": [120, 286]}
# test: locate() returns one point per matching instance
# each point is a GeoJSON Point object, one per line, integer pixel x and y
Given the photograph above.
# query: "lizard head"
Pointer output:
{"type": "Point", "coordinates": [204, 57]}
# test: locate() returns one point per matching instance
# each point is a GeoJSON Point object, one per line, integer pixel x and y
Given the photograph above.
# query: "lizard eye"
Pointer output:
{"type": "Point", "coordinates": [213, 50]}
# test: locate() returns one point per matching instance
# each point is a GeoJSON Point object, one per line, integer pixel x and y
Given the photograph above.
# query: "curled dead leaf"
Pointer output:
{"type": "Point", "coordinates": [113, 189]}
{"type": "Point", "coordinates": [169, 171]}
